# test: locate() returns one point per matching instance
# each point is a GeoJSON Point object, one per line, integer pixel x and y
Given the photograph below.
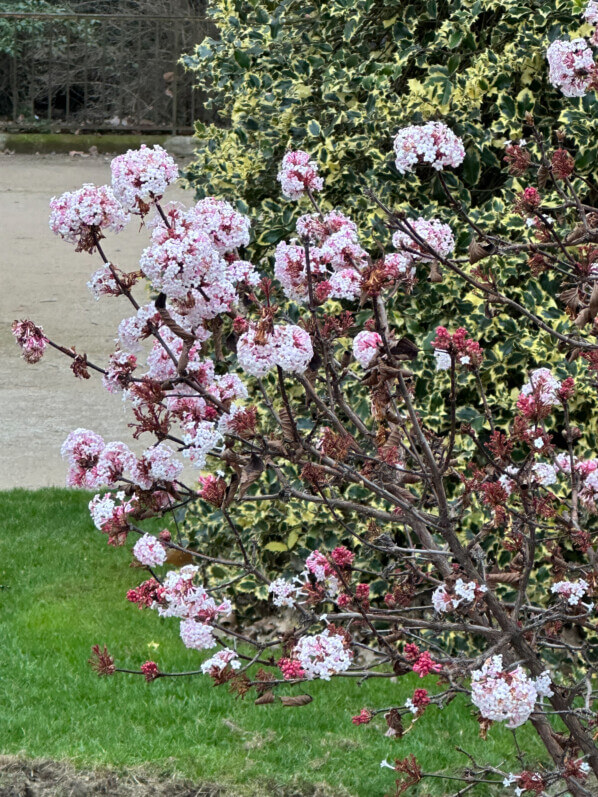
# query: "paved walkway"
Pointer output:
{"type": "Point", "coordinates": [42, 278]}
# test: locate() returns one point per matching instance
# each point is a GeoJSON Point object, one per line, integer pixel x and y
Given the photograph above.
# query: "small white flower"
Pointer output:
{"type": "Point", "coordinates": [386, 764]}
{"type": "Point", "coordinates": [410, 706]}
{"type": "Point", "coordinates": [443, 360]}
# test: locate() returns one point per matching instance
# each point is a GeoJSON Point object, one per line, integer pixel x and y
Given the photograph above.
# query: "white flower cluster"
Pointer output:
{"type": "Point", "coordinates": [227, 228]}
{"type": "Point", "coordinates": [571, 65]}
{"type": "Point", "coordinates": [462, 592]}
{"type": "Point", "coordinates": [288, 346]}
{"type": "Point", "coordinates": [507, 696]}
{"type": "Point", "coordinates": [184, 599]}
{"type": "Point", "coordinates": [298, 174]}
{"type": "Point", "coordinates": [197, 636]}
{"type": "Point", "coordinates": [201, 438]}
{"type": "Point", "coordinates": [571, 591]}
{"type": "Point", "coordinates": [149, 551]}
{"type": "Point", "coordinates": [433, 144]}
{"type": "Point", "coordinates": [75, 214]}
{"type": "Point", "coordinates": [102, 283]}
{"type": "Point", "coordinates": [157, 464]}
{"type": "Point", "coordinates": [182, 257]}
{"type": "Point", "coordinates": [284, 592]}
{"type": "Point", "coordinates": [443, 360]}
{"type": "Point", "coordinates": [543, 387]}
{"type": "Point", "coordinates": [437, 235]}
{"type": "Point", "coordinates": [219, 661]}
{"type": "Point", "coordinates": [132, 330]}
{"type": "Point", "coordinates": [322, 655]}
{"type": "Point", "coordinates": [366, 345]}
{"type": "Point", "coordinates": [141, 175]}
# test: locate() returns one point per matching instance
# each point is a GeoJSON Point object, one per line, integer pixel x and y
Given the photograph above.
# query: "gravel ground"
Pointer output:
{"type": "Point", "coordinates": [43, 278]}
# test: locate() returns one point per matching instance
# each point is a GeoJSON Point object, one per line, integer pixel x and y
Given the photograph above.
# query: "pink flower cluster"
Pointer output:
{"type": "Point", "coordinates": [114, 459]}
{"type": "Point", "coordinates": [119, 370]}
{"type": "Point", "coordinates": [141, 176]}
{"type": "Point", "coordinates": [432, 144]}
{"type": "Point", "coordinates": [434, 234]}
{"type": "Point", "coordinates": [298, 174]}
{"type": "Point", "coordinates": [194, 259]}
{"type": "Point", "coordinates": [82, 449]}
{"type": "Point", "coordinates": [93, 463]}
{"type": "Point", "coordinates": [342, 557]}
{"type": "Point", "coordinates": [322, 655]}
{"type": "Point", "coordinates": [225, 227]}
{"type": "Point", "coordinates": [31, 339]}
{"type": "Point", "coordinates": [200, 438]}
{"type": "Point", "coordinates": [102, 283]}
{"type": "Point", "coordinates": [132, 330]}
{"type": "Point", "coordinates": [506, 696]}
{"type": "Point", "coordinates": [418, 702]}
{"type": "Point", "coordinates": [591, 12]}
{"type": "Point", "coordinates": [182, 257]}
{"type": "Point", "coordinates": [288, 346]}
{"type": "Point", "coordinates": [588, 494]}
{"type": "Point", "coordinates": [540, 394]}
{"type": "Point", "coordinates": [290, 668]}
{"type": "Point", "coordinates": [319, 566]}
{"type": "Point", "coordinates": [150, 671]}
{"type": "Point", "coordinates": [335, 259]}
{"type": "Point", "coordinates": [110, 517]}
{"type": "Point", "coordinates": [362, 718]}
{"type": "Point", "coordinates": [366, 346]}
{"type": "Point", "coordinates": [202, 430]}
{"type": "Point", "coordinates": [160, 363]}
{"type": "Point", "coordinates": [80, 216]}
{"type": "Point", "coordinates": [399, 268]}
{"type": "Point", "coordinates": [572, 66]}
{"type": "Point", "coordinates": [181, 597]}
{"type": "Point", "coordinates": [157, 465]}
{"type": "Point", "coordinates": [466, 352]}
{"type": "Point", "coordinates": [425, 664]}
{"type": "Point", "coordinates": [149, 551]}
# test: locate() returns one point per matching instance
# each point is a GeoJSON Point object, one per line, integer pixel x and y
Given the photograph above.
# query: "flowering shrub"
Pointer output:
{"type": "Point", "coordinates": [466, 537]}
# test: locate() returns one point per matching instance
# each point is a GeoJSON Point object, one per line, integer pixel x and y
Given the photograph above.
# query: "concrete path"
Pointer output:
{"type": "Point", "coordinates": [42, 278]}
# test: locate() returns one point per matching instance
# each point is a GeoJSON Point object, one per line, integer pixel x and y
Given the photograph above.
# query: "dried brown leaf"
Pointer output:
{"type": "Point", "coordinates": [295, 700]}
{"type": "Point", "coordinates": [267, 697]}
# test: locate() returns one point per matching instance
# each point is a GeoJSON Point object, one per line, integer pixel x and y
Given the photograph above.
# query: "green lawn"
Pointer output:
{"type": "Point", "coordinates": [62, 590]}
